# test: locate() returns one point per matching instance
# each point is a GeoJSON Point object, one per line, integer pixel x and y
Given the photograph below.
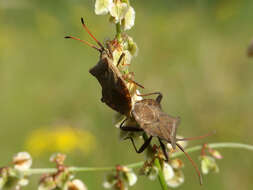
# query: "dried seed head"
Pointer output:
{"type": "Point", "coordinates": [215, 153]}
{"type": "Point", "coordinates": [47, 183]}
{"type": "Point", "coordinates": [58, 158]}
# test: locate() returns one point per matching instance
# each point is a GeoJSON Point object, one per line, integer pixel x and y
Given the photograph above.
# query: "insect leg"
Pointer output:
{"type": "Point", "coordinates": [120, 58]}
{"type": "Point", "coordinates": [129, 128]}
{"type": "Point", "coordinates": [143, 147]}
{"type": "Point", "coordinates": [129, 77]}
{"type": "Point", "coordinates": [193, 163]}
{"type": "Point", "coordinates": [132, 129]}
{"type": "Point", "coordinates": [164, 150]}
{"type": "Point", "coordinates": [158, 98]}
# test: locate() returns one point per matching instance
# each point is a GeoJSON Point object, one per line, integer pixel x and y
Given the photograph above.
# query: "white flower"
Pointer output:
{"type": "Point", "coordinates": [125, 61]}
{"type": "Point", "coordinates": [102, 6]}
{"type": "Point", "coordinates": [76, 184]}
{"type": "Point", "coordinates": [153, 172]}
{"type": "Point", "coordinates": [3, 177]}
{"type": "Point", "coordinates": [128, 57]}
{"type": "Point", "coordinates": [116, 55]}
{"type": "Point", "coordinates": [208, 164]}
{"type": "Point", "coordinates": [176, 180]}
{"type": "Point", "coordinates": [22, 161]}
{"type": "Point", "coordinates": [23, 182]}
{"type": "Point", "coordinates": [168, 171]}
{"type": "Point", "coordinates": [128, 21]}
{"type": "Point", "coordinates": [118, 10]}
{"type": "Point", "coordinates": [177, 163]}
{"type": "Point", "coordinates": [129, 175]}
{"type": "Point", "coordinates": [132, 178]}
{"type": "Point", "coordinates": [136, 97]}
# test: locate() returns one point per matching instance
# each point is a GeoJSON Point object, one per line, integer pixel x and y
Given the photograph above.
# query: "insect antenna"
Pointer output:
{"type": "Point", "coordinates": [87, 30]}
{"type": "Point", "coordinates": [193, 163]}
{"type": "Point", "coordinates": [196, 138]}
{"type": "Point", "coordinates": [87, 43]}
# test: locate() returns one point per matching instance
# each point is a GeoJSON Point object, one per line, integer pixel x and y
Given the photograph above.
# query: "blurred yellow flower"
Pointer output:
{"type": "Point", "coordinates": [59, 139]}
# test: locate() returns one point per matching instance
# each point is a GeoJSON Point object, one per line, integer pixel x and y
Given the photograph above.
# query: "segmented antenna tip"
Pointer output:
{"type": "Point", "coordinates": [82, 20]}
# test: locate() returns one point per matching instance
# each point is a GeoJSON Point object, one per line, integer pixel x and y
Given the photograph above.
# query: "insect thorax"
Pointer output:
{"type": "Point", "coordinates": [146, 111]}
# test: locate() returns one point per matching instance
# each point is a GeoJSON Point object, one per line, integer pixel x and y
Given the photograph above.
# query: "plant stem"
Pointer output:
{"type": "Point", "coordinates": [160, 175]}
{"type": "Point", "coordinates": [158, 165]}
{"type": "Point", "coordinates": [118, 32]}
{"type": "Point", "coordinates": [139, 164]}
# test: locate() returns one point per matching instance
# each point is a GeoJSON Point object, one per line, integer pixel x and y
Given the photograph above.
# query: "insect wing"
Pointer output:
{"type": "Point", "coordinates": [146, 113]}
{"type": "Point", "coordinates": [114, 90]}
{"type": "Point", "coordinates": [168, 128]}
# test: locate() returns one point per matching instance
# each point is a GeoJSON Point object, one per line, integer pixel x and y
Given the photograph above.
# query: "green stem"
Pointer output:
{"type": "Point", "coordinates": [118, 32]}
{"type": "Point", "coordinates": [160, 175]}
{"type": "Point", "coordinates": [158, 165]}
{"type": "Point", "coordinates": [139, 164]}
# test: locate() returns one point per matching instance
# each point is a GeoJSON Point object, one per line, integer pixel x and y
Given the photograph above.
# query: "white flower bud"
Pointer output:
{"type": "Point", "coordinates": [102, 6]}
{"type": "Point", "coordinates": [132, 46]}
{"type": "Point", "coordinates": [22, 161]}
{"type": "Point", "coordinates": [208, 164]}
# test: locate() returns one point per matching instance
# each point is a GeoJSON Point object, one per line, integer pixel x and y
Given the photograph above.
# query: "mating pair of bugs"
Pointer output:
{"type": "Point", "coordinates": [147, 113]}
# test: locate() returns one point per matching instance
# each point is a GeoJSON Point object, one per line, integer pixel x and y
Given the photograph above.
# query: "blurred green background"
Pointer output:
{"type": "Point", "coordinates": [193, 51]}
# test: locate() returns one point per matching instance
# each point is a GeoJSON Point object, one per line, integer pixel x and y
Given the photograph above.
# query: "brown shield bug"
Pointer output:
{"type": "Point", "coordinates": [114, 84]}
{"type": "Point", "coordinates": [154, 122]}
